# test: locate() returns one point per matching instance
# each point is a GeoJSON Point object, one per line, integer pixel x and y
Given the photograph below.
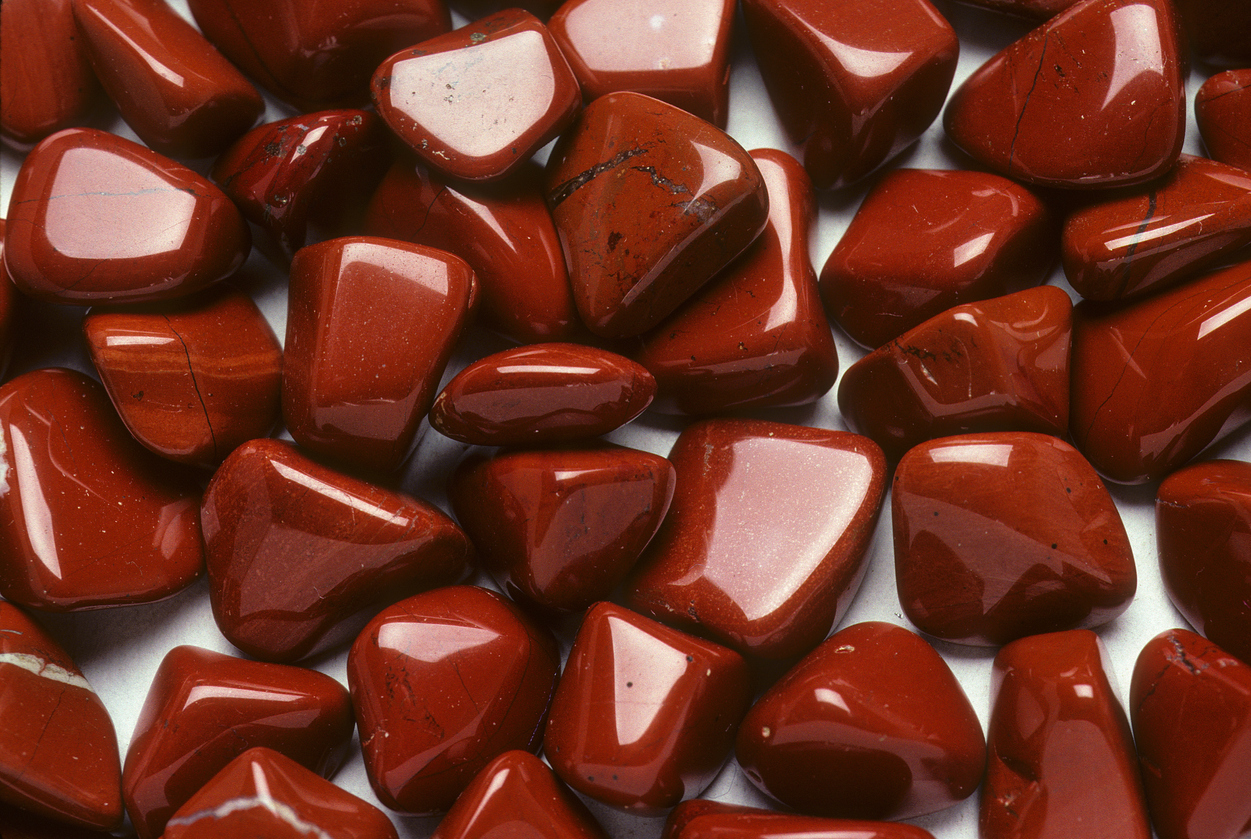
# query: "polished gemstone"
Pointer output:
{"type": "Point", "coordinates": [77, 493]}
{"type": "Point", "coordinates": [443, 683]}
{"type": "Point", "coordinates": [645, 715]}
{"type": "Point", "coordinates": [95, 218]}
{"type": "Point", "coordinates": [1219, 30]}
{"type": "Point", "coordinates": [295, 550]}
{"type": "Point", "coordinates": [738, 558]}
{"type": "Point", "coordinates": [1223, 112]}
{"type": "Point", "coordinates": [650, 203]}
{"type": "Point", "coordinates": [925, 240]}
{"type": "Point", "coordinates": [1007, 534]}
{"type": "Point", "coordinates": [1092, 98]}
{"type": "Point", "coordinates": [755, 336]}
{"type": "Point", "coordinates": [872, 724]}
{"type": "Point", "coordinates": [1002, 364]}
{"type": "Point", "coordinates": [706, 819]}
{"type": "Point", "coordinates": [192, 380]}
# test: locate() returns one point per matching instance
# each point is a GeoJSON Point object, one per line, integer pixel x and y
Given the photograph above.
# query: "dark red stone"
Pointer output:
{"type": "Point", "coordinates": [8, 308]}
{"type": "Point", "coordinates": [1219, 30]}
{"type": "Point", "coordinates": [23, 824]}
{"type": "Point", "coordinates": [700, 819]}
{"type": "Point", "coordinates": [1223, 112]}
{"type": "Point", "coordinates": [1036, 9]}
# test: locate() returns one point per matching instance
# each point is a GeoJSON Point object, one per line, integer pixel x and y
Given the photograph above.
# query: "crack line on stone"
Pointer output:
{"type": "Point", "coordinates": [569, 187]}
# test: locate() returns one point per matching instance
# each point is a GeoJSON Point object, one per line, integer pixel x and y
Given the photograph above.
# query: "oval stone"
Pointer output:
{"type": "Point", "coordinates": [1223, 112]}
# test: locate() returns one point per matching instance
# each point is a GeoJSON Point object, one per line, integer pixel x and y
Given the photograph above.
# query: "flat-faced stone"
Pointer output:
{"type": "Point", "coordinates": [716, 566]}
{"type": "Point", "coordinates": [1219, 30]}
{"type": "Point", "coordinates": [702, 819]}
{"type": "Point", "coordinates": [204, 709]}
{"type": "Point", "coordinates": [95, 218]}
{"type": "Point", "coordinates": [1002, 364]}
{"type": "Point", "coordinates": [645, 715]}
{"type": "Point", "coordinates": [1155, 382]}
{"type": "Point", "coordinates": [443, 683]}
{"type": "Point", "coordinates": [872, 724]}
{"type": "Point", "coordinates": [371, 324]}
{"type": "Point", "coordinates": [192, 380]}
{"type": "Point", "coordinates": [650, 203]}
{"type": "Point", "coordinates": [88, 518]}
{"type": "Point", "coordinates": [925, 240]}
{"type": "Point", "coordinates": [757, 335]}
{"type": "Point", "coordinates": [1061, 759]}
{"type": "Point", "coordinates": [1190, 703]}
{"type": "Point", "coordinates": [1006, 534]}
{"type": "Point", "coordinates": [1223, 112]}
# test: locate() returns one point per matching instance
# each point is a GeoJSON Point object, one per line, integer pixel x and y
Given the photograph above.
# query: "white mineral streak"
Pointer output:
{"type": "Point", "coordinates": [263, 801]}
{"type": "Point", "coordinates": [47, 670]}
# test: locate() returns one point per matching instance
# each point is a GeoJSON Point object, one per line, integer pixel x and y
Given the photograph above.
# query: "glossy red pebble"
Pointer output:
{"type": "Point", "coordinates": [204, 709]}
{"type": "Point", "coordinates": [1190, 703]}
{"type": "Point", "coordinates": [1219, 30]}
{"type": "Point", "coordinates": [925, 240]}
{"type": "Point", "coordinates": [872, 724]}
{"type": "Point", "coordinates": [1093, 98]}
{"type": "Point", "coordinates": [371, 324]}
{"type": "Point", "coordinates": [1006, 534]}
{"type": "Point", "coordinates": [191, 380]}
{"type": "Point", "coordinates": [650, 203]}
{"type": "Point", "coordinates": [1223, 112]}
{"type": "Point", "coordinates": [645, 715]}
{"type": "Point", "coordinates": [443, 683]}
{"type": "Point", "coordinates": [88, 518]}
{"type": "Point", "coordinates": [756, 336]}
{"type": "Point", "coordinates": [295, 550]}
{"type": "Point", "coordinates": [1001, 364]}
{"type": "Point", "coordinates": [738, 558]}
{"type": "Point", "coordinates": [701, 819]}
{"type": "Point", "coordinates": [95, 218]}
{"type": "Point", "coordinates": [1061, 756]}
{"type": "Point", "coordinates": [1154, 383]}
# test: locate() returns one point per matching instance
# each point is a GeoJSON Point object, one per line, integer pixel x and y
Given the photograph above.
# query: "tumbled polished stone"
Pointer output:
{"type": "Point", "coordinates": [1190, 703]}
{"type": "Point", "coordinates": [58, 750]}
{"type": "Point", "coordinates": [88, 518]}
{"type": "Point", "coordinates": [561, 528]}
{"type": "Point", "coordinates": [1006, 534]}
{"type": "Point", "coordinates": [872, 724]}
{"type": "Point", "coordinates": [371, 324]}
{"type": "Point", "coordinates": [739, 558]}
{"type": "Point", "coordinates": [1155, 382]}
{"type": "Point", "coordinates": [925, 240]}
{"type": "Point", "coordinates": [443, 683]}
{"type": "Point", "coordinates": [294, 550]}
{"type": "Point", "coordinates": [679, 54]}
{"type": "Point", "coordinates": [755, 336]}
{"type": "Point", "coordinates": [1002, 364]}
{"type": "Point", "coordinates": [703, 819]}
{"type": "Point", "coordinates": [650, 203]}
{"type": "Point", "coordinates": [645, 715]}
{"type": "Point", "coordinates": [204, 709]}
{"type": "Point", "coordinates": [1219, 30]}
{"type": "Point", "coordinates": [191, 380]}
{"type": "Point", "coordinates": [1223, 113]}
{"type": "Point", "coordinates": [95, 218]}
{"type": "Point", "coordinates": [1092, 98]}
{"type": "Point", "coordinates": [1061, 759]}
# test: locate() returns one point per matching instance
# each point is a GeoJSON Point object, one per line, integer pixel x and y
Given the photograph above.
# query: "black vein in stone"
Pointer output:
{"type": "Point", "coordinates": [569, 187]}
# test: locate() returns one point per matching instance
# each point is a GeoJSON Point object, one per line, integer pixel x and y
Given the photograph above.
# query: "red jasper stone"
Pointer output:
{"type": "Point", "coordinates": [871, 724]}
{"type": "Point", "coordinates": [517, 795]}
{"type": "Point", "coordinates": [1203, 532]}
{"type": "Point", "coordinates": [644, 716]}
{"type": "Point", "coordinates": [853, 84]}
{"type": "Point", "coordinates": [295, 549]}
{"type": "Point", "coordinates": [88, 518]}
{"type": "Point", "coordinates": [1002, 364]}
{"type": "Point", "coordinates": [95, 218]}
{"type": "Point", "coordinates": [1093, 98]}
{"type": "Point", "coordinates": [8, 308]}
{"type": "Point", "coordinates": [204, 709]}
{"type": "Point", "coordinates": [1007, 534]}
{"type": "Point", "coordinates": [443, 683]}
{"type": "Point", "coordinates": [738, 559]}
{"type": "Point", "coordinates": [678, 54]}
{"type": "Point", "coordinates": [1156, 382]}
{"type": "Point", "coordinates": [700, 819]}
{"type": "Point", "coordinates": [371, 324]}
{"type": "Point", "coordinates": [1061, 756]}
{"type": "Point", "coordinates": [23, 824]}
{"type": "Point", "coordinates": [1191, 706]}
{"type": "Point", "coordinates": [264, 793]}
{"type": "Point", "coordinates": [318, 56]}
{"type": "Point", "coordinates": [1037, 9]}
{"type": "Point", "coordinates": [191, 381]}
{"type": "Point", "coordinates": [1219, 30]}
{"type": "Point", "coordinates": [476, 103]}
{"type": "Point", "coordinates": [178, 93]}
{"type": "Point", "coordinates": [1223, 112]}
{"type": "Point", "coordinates": [650, 202]}
{"type": "Point", "coordinates": [925, 240]}
{"type": "Point", "coordinates": [757, 335]}
{"type": "Point", "coordinates": [58, 750]}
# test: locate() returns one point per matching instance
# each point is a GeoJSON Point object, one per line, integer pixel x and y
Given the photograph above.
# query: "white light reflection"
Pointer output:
{"type": "Point", "coordinates": [646, 670]}
{"type": "Point", "coordinates": [1223, 317]}
{"type": "Point", "coordinates": [971, 249]}
{"type": "Point", "coordinates": [990, 454]}
{"type": "Point", "coordinates": [1137, 34]}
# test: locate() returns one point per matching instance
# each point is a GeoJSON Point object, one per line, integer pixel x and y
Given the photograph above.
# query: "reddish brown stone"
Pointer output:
{"type": "Point", "coordinates": [8, 308]}
{"type": "Point", "coordinates": [700, 819]}
{"type": "Point", "coordinates": [1036, 9]}
{"type": "Point", "coordinates": [23, 824]}
{"type": "Point", "coordinates": [1219, 30]}
{"type": "Point", "coordinates": [1223, 112]}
